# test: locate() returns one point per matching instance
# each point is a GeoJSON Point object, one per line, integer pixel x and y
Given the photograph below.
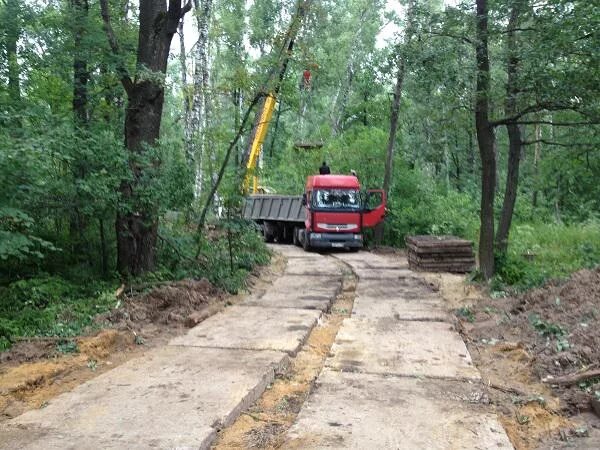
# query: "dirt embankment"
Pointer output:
{"type": "Point", "coordinates": [34, 371]}
{"type": "Point", "coordinates": [534, 352]}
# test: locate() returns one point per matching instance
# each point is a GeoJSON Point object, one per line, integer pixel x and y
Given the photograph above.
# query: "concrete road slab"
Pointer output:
{"type": "Point", "coordinates": [394, 347]}
{"type": "Point", "coordinates": [253, 328]}
{"type": "Point", "coordinates": [319, 301]}
{"type": "Point", "coordinates": [170, 397]}
{"type": "Point", "coordinates": [363, 411]}
{"type": "Point", "coordinates": [400, 309]}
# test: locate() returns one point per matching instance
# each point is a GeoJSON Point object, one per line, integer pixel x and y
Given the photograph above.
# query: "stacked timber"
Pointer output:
{"type": "Point", "coordinates": [440, 254]}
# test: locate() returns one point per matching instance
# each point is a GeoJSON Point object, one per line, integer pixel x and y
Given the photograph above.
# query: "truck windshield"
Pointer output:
{"type": "Point", "coordinates": [346, 199]}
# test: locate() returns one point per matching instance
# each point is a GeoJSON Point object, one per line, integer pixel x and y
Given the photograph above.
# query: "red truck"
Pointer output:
{"type": "Point", "coordinates": [332, 213]}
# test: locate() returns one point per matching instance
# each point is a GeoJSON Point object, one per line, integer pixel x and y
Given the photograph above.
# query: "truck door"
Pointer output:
{"type": "Point", "coordinates": [374, 208]}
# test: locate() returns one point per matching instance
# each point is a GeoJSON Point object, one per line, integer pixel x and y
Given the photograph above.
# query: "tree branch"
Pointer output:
{"type": "Point", "coordinates": [543, 106]}
{"type": "Point", "coordinates": [176, 13]}
{"type": "Point", "coordinates": [556, 124]}
{"type": "Point", "coordinates": [114, 45]}
{"type": "Point", "coordinates": [453, 36]}
{"type": "Point", "coordinates": [559, 144]}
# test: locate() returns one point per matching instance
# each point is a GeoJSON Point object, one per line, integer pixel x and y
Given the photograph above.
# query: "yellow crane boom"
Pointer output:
{"type": "Point", "coordinates": [257, 144]}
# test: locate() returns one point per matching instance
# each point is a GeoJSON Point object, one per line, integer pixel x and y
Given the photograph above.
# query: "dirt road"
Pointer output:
{"type": "Point", "coordinates": [397, 375]}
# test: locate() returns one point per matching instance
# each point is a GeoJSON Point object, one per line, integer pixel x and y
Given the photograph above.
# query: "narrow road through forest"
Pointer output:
{"type": "Point", "coordinates": [398, 376]}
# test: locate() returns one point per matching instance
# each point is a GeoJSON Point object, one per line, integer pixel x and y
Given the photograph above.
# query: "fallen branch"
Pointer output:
{"type": "Point", "coordinates": [507, 389]}
{"type": "Point", "coordinates": [575, 378]}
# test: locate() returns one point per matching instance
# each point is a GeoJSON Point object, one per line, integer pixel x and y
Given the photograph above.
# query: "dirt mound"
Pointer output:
{"type": "Point", "coordinates": [169, 305]}
{"type": "Point", "coordinates": [520, 341]}
{"type": "Point", "coordinates": [560, 326]}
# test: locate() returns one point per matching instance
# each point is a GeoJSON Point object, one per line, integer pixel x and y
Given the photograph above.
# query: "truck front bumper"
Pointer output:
{"type": "Point", "coordinates": [336, 240]}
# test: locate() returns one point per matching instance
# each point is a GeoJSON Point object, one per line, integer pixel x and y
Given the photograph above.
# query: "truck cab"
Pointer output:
{"type": "Point", "coordinates": [337, 212]}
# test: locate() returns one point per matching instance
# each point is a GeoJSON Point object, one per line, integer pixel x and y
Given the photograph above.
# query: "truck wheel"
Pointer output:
{"type": "Point", "coordinates": [295, 237]}
{"type": "Point", "coordinates": [306, 242]}
{"type": "Point", "coordinates": [268, 232]}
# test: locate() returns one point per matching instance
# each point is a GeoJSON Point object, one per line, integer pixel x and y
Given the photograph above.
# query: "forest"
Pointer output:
{"type": "Point", "coordinates": [124, 131]}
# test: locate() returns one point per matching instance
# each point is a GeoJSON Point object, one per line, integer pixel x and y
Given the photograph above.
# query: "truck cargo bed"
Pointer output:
{"type": "Point", "coordinates": [282, 208]}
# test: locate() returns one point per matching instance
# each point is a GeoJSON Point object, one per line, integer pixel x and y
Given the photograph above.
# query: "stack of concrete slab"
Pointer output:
{"type": "Point", "coordinates": [440, 254]}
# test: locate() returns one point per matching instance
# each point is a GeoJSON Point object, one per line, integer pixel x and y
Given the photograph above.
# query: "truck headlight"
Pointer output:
{"type": "Point", "coordinates": [316, 235]}
{"type": "Point", "coordinates": [358, 237]}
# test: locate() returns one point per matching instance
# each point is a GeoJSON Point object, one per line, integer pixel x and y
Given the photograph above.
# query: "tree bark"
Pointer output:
{"type": "Point", "coordinates": [486, 142]}
{"type": "Point", "coordinates": [395, 112]}
{"type": "Point", "coordinates": [12, 22]}
{"type": "Point", "coordinates": [537, 153]}
{"type": "Point", "coordinates": [514, 132]}
{"type": "Point", "coordinates": [80, 66]}
{"type": "Point", "coordinates": [137, 219]}
{"type": "Point", "coordinates": [199, 112]}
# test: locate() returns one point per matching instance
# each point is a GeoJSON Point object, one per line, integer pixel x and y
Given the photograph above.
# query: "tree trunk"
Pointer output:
{"type": "Point", "coordinates": [80, 68]}
{"type": "Point", "coordinates": [187, 103]}
{"type": "Point", "coordinates": [514, 133]}
{"type": "Point", "coordinates": [486, 142]}
{"type": "Point", "coordinates": [137, 218]}
{"type": "Point", "coordinates": [395, 112]}
{"type": "Point", "coordinates": [12, 22]}
{"type": "Point", "coordinates": [78, 222]}
{"type": "Point", "coordinates": [537, 153]}
{"type": "Point", "coordinates": [200, 93]}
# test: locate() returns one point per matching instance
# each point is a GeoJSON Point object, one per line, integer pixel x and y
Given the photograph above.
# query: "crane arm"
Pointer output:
{"type": "Point", "coordinates": [257, 144]}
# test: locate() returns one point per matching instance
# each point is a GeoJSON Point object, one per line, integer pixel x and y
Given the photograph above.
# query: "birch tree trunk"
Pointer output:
{"type": "Point", "coordinates": [199, 111]}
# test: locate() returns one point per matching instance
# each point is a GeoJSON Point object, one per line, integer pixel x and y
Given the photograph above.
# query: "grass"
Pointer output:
{"type": "Point", "coordinates": [539, 252]}
{"type": "Point", "coordinates": [51, 306]}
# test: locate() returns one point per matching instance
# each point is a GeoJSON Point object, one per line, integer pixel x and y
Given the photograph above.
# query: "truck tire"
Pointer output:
{"type": "Point", "coordinates": [306, 242]}
{"type": "Point", "coordinates": [269, 232]}
{"type": "Point", "coordinates": [295, 237]}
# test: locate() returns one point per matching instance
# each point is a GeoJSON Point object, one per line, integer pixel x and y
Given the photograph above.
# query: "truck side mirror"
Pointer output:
{"type": "Point", "coordinates": [304, 199]}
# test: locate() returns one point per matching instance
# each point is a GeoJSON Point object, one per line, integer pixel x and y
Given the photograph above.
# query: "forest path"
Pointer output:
{"type": "Point", "coordinates": [399, 375]}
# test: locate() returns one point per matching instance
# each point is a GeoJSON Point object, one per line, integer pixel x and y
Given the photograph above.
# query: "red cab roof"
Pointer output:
{"type": "Point", "coordinates": [332, 181]}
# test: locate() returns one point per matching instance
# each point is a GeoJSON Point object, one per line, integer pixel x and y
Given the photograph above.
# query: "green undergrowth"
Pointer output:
{"type": "Point", "coordinates": [543, 251]}
{"type": "Point", "coordinates": [61, 305]}
{"type": "Point", "coordinates": [51, 306]}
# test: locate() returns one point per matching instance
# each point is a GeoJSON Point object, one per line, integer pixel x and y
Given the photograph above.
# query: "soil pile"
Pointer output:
{"type": "Point", "coordinates": [558, 325]}
{"type": "Point", "coordinates": [170, 305]}
{"type": "Point", "coordinates": [519, 343]}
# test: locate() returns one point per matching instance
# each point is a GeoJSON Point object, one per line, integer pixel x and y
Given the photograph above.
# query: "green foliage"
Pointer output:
{"type": "Point", "coordinates": [229, 251]}
{"type": "Point", "coordinates": [418, 206]}
{"type": "Point", "coordinates": [17, 241]}
{"type": "Point", "coordinates": [543, 251]}
{"type": "Point", "coordinates": [51, 306]}
{"type": "Point", "coordinates": [466, 312]}
{"type": "Point", "coordinates": [548, 329]}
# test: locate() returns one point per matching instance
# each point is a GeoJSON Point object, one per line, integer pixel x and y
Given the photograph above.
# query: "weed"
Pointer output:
{"type": "Point", "coordinates": [92, 365]}
{"type": "Point", "coordinates": [466, 312]}
{"type": "Point", "coordinates": [546, 328]}
{"type": "Point", "coordinates": [67, 346]}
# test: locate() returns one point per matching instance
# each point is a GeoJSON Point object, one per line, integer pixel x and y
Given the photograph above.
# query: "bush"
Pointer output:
{"type": "Point", "coordinates": [540, 251]}
{"type": "Point", "coordinates": [417, 206]}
